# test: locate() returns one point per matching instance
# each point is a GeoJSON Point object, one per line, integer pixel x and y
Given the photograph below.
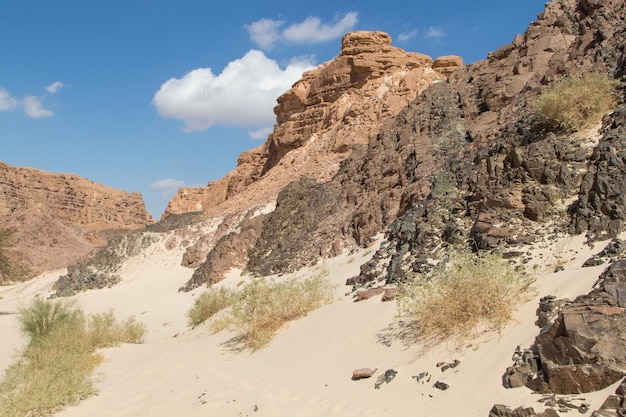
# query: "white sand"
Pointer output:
{"type": "Point", "coordinates": [306, 370]}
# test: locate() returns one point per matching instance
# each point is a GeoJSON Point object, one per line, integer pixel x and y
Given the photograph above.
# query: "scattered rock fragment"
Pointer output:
{"type": "Point", "coordinates": [500, 410]}
{"type": "Point", "coordinates": [366, 294]}
{"type": "Point", "coordinates": [389, 294]}
{"type": "Point", "coordinates": [549, 308]}
{"type": "Point", "coordinates": [419, 377]}
{"type": "Point", "coordinates": [525, 368]}
{"type": "Point", "coordinates": [363, 373]}
{"type": "Point", "coordinates": [450, 365]}
{"type": "Point", "coordinates": [441, 385]}
{"type": "Point", "coordinates": [385, 378]}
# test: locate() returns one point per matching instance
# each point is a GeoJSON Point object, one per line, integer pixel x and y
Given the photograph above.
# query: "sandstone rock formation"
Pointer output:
{"type": "Point", "coordinates": [320, 121]}
{"type": "Point", "coordinates": [331, 109]}
{"type": "Point", "coordinates": [56, 219]}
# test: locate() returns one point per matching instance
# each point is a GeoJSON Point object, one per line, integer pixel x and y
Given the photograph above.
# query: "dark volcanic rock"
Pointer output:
{"type": "Point", "coordinates": [601, 209]}
{"type": "Point", "coordinates": [99, 271]}
{"type": "Point", "coordinates": [465, 164]}
{"type": "Point", "coordinates": [290, 238]}
{"type": "Point", "coordinates": [585, 349]}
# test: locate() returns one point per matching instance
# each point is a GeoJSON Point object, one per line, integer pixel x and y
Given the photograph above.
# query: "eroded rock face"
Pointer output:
{"type": "Point", "coordinates": [58, 218]}
{"type": "Point", "coordinates": [601, 209]}
{"type": "Point", "coordinates": [324, 115]}
{"type": "Point", "coordinates": [585, 349]}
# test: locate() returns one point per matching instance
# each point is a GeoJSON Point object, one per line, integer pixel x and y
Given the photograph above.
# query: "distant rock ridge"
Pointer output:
{"type": "Point", "coordinates": [324, 115]}
{"type": "Point", "coordinates": [378, 141]}
{"type": "Point", "coordinates": [57, 219]}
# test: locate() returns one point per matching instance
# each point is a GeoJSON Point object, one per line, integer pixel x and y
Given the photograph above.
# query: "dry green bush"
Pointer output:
{"type": "Point", "coordinates": [55, 368]}
{"type": "Point", "coordinates": [208, 304]}
{"type": "Point", "coordinates": [104, 330]}
{"type": "Point", "coordinates": [462, 294]}
{"type": "Point", "coordinates": [258, 309]}
{"type": "Point", "coordinates": [41, 316]}
{"type": "Point", "coordinates": [262, 307]}
{"type": "Point", "coordinates": [577, 102]}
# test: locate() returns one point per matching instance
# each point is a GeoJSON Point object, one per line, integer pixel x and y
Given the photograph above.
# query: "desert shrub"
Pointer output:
{"type": "Point", "coordinates": [262, 307]}
{"type": "Point", "coordinates": [55, 367]}
{"type": "Point", "coordinates": [104, 330]}
{"type": "Point", "coordinates": [576, 102]}
{"type": "Point", "coordinates": [463, 293]}
{"type": "Point", "coordinates": [208, 304]}
{"type": "Point", "coordinates": [258, 309]}
{"type": "Point", "coordinates": [41, 316]}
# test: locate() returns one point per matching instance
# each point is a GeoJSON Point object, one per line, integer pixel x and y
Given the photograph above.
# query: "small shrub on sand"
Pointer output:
{"type": "Point", "coordinates": [576, 102]}
{"type": "Point", "coordinates": [55, 368]}
{"type": "Point", "coordinates": [464, 293]}
{"type": "Point", "coordinates": [258, 309]}
{"type": "Point", "coordinates": [208, 304]}
{"type": "Point", "coordinates": [104, 330]}
{"type": "Point", "coordinates": [262, 307]}
{"type": "Point", "coordinates": [41, 316]}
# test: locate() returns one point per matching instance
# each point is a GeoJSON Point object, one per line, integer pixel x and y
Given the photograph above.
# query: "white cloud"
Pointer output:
{"type": "Point", "coordinates": [261, 133]}
{"type": "Point", "coordinates": [168, 187]}
{"type": "Point", "coordinates": [312, 30]}
{"type": "Point", "coordinates": [244, 94]}
{"type": "Point", "coordinates": [406, 36]}
{"type": "Point", "coordinates": [167, 183]}
{"type": "Point", "coordinates": [55, 86]}
{"type": "Point", "coordinates": [265, 32]}
{"type": "Point", "coordinates": [7, 102]}
{"type": "Point", "coordinates": [32, 105]}
{"type": "Point", "coordinates": [33, 108]}
{"type": "Point", "coordinates": [434, 32]}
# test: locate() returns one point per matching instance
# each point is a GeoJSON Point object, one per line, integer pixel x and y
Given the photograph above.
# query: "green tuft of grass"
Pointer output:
{"type": "Point", "coordinates": [464, 293]}
{"type": "Point", "coordinates": [577, 102]}
{"type": "Point", "coordinates": [208, 304]}
{"type": "Point", "coordinates": [41, 317]}
{"type": "Point", "coordinates": [54, 369]}
{"type": "Point", "coordinates": [261, 307]}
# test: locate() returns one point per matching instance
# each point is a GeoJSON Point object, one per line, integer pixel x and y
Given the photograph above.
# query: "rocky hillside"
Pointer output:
{"type": "Point", "coordinates": [322, 118]}
{"type": "Point", "coordinates": [431, 154]}
{"type": "Point", "coordinates": [499, 174]}
{"type": "Point", "coordinates": [57, 219]}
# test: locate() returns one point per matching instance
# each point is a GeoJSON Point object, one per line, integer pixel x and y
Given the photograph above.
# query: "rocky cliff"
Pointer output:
{"type": "Point", "coordinates": [499, 175]}
{"type": "Point", "coordinates": [56, 219]}
{"type": "Point", "coordinates": [323, 116]}
{"type": "Point", "coordinates": [432, 155]}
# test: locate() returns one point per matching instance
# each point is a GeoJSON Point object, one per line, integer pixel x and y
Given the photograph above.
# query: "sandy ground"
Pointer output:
{"type": "Point", "coordinates": [306, 370]}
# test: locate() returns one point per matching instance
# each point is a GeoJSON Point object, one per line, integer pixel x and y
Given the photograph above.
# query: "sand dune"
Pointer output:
{"type": "Point", "coordinates": [306, 370]}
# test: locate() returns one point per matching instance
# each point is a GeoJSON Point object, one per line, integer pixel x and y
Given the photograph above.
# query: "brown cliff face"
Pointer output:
{"type": "Point", "coordinates": [475, 137]}
{"type": "Point", "coordinates": [322, 117]}
{"type": "Point", "coordinates": [56, 219]}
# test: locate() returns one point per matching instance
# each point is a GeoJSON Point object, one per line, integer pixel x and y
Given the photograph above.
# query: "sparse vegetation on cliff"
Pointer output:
{"type": "Point", "coordinates": [464, 292]}
{"type": "Point", "coordinates": [5, 266]}
{"type": "Point", "coordinates": [54, 369]}
{"type": "Point", "coordinates": [261, 307]}
{"type": "Point", "coordinates": [576, 102]}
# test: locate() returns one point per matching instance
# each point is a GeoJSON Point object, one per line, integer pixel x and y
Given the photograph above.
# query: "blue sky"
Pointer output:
{"type": "Point", "coordinates": [150, 95]}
